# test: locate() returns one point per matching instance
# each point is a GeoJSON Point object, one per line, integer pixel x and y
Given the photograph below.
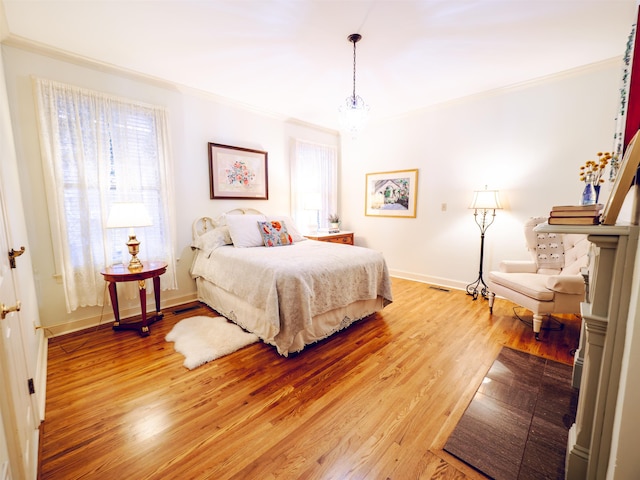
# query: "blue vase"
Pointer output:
{"type": "Point", "coordinates": [589, 192]}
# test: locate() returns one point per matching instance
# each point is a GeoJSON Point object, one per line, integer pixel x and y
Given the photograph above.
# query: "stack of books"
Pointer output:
{"type": "Point", "coordinates": [576, 214]}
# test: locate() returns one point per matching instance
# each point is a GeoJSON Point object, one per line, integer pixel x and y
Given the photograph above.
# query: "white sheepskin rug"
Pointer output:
{"type": "Point", "coordinates": [202, 339]}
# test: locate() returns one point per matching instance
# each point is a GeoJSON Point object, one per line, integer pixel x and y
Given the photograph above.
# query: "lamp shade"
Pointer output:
{"type": "Point", "coordinates": [128, 214]}
{"type": "Point", "coordinates": [486, 200]}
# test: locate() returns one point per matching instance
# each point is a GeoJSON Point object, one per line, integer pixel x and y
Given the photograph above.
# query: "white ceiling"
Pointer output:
{"type": "Point", "coordinates": [292, 57]}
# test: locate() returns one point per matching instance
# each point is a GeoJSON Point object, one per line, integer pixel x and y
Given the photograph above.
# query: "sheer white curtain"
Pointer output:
{"type": "Point", "coordinates": [314, 184]}
{"type": "Point", "coordinates": [98, 149]}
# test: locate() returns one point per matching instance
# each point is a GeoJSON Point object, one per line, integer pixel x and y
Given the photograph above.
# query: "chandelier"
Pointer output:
{"type": "Point", "coordinates": [353, 112]}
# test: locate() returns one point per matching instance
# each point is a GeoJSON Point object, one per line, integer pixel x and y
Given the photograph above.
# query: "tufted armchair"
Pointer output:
{"type": "Point", "coordinates": [549, 283]}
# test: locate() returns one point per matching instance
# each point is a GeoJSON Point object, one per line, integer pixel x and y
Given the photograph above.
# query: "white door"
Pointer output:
{"type": "Point", "coordinates": [22, 345]}
{"type": "Point", "coordinates": [18, 415]}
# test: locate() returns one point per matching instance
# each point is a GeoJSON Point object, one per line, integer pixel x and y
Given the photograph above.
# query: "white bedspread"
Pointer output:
{"type": "Point", "coordinates": [295, 282]}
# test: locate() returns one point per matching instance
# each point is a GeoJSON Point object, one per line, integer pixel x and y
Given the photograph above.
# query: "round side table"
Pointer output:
{"type": "Point", "coordinates": [121, 273]}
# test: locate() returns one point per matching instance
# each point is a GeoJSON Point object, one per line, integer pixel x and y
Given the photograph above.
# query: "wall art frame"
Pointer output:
{"type": "Point", "coordinates": [391, 194]}
{"type": "Point", "coordinates": [238, 173]}
{"type": "Point", "coordinates": [623, 182]}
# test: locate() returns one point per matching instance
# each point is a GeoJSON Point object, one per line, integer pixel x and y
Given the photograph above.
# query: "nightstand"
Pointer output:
{"type": "Point", "coordinates": [340, 237]}
{"type": "Point", "coordinates": [121, 273]}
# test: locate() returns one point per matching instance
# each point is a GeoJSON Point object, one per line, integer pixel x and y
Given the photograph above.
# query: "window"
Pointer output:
{"type": "Point", "coordinates": [96, 150]}
{"type": "Point", "coordinates": [314, 180]}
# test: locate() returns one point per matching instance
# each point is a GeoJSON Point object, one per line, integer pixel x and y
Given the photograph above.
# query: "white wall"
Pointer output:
{"type": "Point", "coordinates": [528, 141]}
{"type": "Point", "coordinates": [195, 120]}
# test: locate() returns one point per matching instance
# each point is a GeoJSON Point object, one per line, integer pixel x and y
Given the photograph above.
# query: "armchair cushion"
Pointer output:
{"type": "Point", "coordinates": [518, 266]}
{"type": "Point", "coordinates": [571, 284]}
{"type": "Point", "coordinates": [532, 285]}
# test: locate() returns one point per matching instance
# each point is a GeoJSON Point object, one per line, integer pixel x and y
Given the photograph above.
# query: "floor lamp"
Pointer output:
{"type": "Point", "coordinates": [483, 201]}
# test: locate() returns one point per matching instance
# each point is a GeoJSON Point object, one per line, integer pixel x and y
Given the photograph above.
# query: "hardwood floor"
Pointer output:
{"type": "Point", "coordinates": [376, 401]}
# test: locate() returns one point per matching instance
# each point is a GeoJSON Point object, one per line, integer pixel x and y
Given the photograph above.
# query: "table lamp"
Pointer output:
{"type": "Point", "coordinates": [130, 215]}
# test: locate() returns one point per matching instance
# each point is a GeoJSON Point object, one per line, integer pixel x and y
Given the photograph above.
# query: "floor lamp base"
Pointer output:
{"type": "Point", "coordinates": [474, 289]}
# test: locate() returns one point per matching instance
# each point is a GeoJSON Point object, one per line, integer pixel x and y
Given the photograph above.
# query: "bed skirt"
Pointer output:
{"type": "Point", "coordinates": [254, 320]}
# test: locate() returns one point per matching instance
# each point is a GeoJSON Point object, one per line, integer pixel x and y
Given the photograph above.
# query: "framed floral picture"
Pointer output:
{"type": "Point", "coordinates": [239, 173]}
{"type": "Point", "coordinates": [391, 194]}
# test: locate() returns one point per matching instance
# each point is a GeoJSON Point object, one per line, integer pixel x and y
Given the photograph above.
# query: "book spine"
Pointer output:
{"type": "Point", "coordinates": [574, 221]}
{"type": "Point", "coordinates": [573, 214]}
{"type": "Point", "coordinates": [578, 208]}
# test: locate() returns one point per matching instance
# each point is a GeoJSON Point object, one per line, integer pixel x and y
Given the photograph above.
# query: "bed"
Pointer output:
{"type": "Point", "coordinates": [290, 294]}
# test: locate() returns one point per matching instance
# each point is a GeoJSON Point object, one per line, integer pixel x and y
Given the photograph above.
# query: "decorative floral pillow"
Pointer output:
{"type": "Point", "coordinates": [289, 224]}
{"type": "Point", "coordinates": [549, 251]}
{"type": "Point", "coordinates": [274, 234]}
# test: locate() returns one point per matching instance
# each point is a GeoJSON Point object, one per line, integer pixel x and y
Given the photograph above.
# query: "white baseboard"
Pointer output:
{"type": "Point", "coordinates": [40, 382]}
{"type": "Point", "coordinates": [442, 282]}
{"type": "Point", "coordinates": [107, 317]}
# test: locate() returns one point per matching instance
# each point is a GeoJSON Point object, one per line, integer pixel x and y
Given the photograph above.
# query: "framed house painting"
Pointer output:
{"type": "Point", "coordinates": [239, 173]}
{"type": "Point", "coordinates": [391, 194]}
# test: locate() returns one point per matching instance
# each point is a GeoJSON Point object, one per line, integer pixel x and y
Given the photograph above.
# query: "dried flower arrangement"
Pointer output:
{"type": "Point", "coordinates": [593, 171]}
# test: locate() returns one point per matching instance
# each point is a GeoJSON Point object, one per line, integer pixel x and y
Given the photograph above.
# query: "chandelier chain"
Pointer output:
{"type": "Point", "coordinates": [354, 71]}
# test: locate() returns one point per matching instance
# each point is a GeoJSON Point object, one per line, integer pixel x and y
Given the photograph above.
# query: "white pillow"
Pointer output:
{"type": "Point", "coordinates": [212, 239]}
{"type": "Point", "coordinates": [224, 231]}
{"type": "Point", "coordinates": [291, 226]}
{"type": "Point", "coordinates": [244, 230]}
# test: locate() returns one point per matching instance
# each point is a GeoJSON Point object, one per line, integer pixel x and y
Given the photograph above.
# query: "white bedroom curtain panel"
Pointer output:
{"type": "Point", "coordinates": [314, 180]}
{"type": "Point", "coordinates": [96, 150]}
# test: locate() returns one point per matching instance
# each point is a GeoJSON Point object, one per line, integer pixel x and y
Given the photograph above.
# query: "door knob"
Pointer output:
{"type": "Point", "coordinates": [7, 310]}
{"type": "Point", "coordinates": [13, 254]}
